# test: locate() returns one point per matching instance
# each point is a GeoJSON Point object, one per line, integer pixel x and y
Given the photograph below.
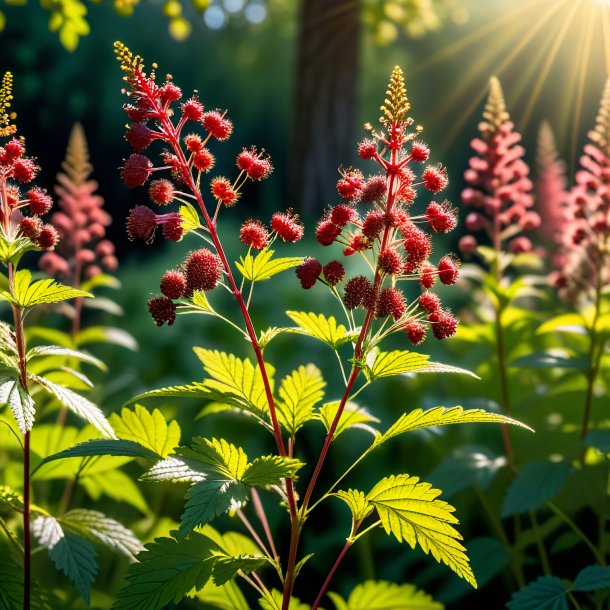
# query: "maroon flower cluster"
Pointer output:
{"type": "Point", "coordinates": [81, 222]}
{"type": "Point", "coordinates": [499, 186]}
{"type": "Point", "coordinates": [16, 171]}
{"type": "Point", "coordinates": [585, 262]}
{"type": "Point", "coordinates": [376, 219]}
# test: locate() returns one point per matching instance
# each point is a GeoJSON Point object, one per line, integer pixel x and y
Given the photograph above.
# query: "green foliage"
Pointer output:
{"type": "Point", "coordinates": [411, 511]}
{"type": "Point", "coordinates": [227, 567]}
{"type": "Point", "coordinates": [352, 416]}
{"type": "Point", "coordinates": [263, 266]}
{"type": "Point", "coordinates": [322, 328]}
{"type": "Point", "coordinates": [546, 593]}
{"type": "Point", "coordinates": [21, 403]}
{"type": "Point", "coordinates": [357, 503]}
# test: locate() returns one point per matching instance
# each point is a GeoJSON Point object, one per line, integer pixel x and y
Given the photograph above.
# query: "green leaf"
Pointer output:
{"type": "Point", "coordinates": [124, 448]}
{"type": "Point", "coordinates": [98, 527]}
{"type": "Point", "coordinates": [270, 470]}
{"type": "Point", "coordinates": [101, 280]}
{"type": "Point", "coordinates": [78, 404]}
{"type": "Point", "coordinates": [263, 265]}
{"type": "Point", "coordinates": [383, 595]}
{"type": "Point", "coordinates": [401, 362]}
{"type": "Point", "coordinates": [200, 301]}
{"type": "Point", "coordinates": [546, 593]}
{"type": "Point", "coordinates": [166, 572]}
{"type": "Point", "coordinates": [190, 217]}
{"type": "Point", "coordinates": [592, 578]}
{"type": "Point", "coordinates": [272, 600]}
{"type": "Point", "coordinates": [565, 323]}
{"type": "Point", "coordinates": [352, 416]}
{"type": "Point", "coordinates": [27, 293]}
{"type": "Point", "coordinates": [549, 361]}
{"type": "Point", "coordinates": [11, 583]}
{"type": "Point", "coordinates": [72, 554]}
{"type": "Point", "coordinates": [411, 511]}
{"type": "Point", "coordinates": [58, 351]}
{"type": "Point", "coordinates": [194, 390]}
{"type": "Point", "coordinates": [535, 484]}
{"type": "Point", "coordinates": [236, 381]}
{"type": "Point", "coordinates": [149, 430]}
{"type": "Point", "coordinates": [356, 502]}
{"type": "Point", "coordinates": [116, 485]}
{"type": "Point", "coordinates": [226, 597]}
{"type": "Point", "coordinates": [21, 403]}
{"type": "Point", "coordinates": [441, 416]}
{"type": "Point", "coordinates": [299, 393]}
{"type": "Point", "coordinates": [106, 334]}
{"type": "Point", "coordinates": [598, 439]}
{"type": "Point", "coordinates": [322, 328]}
{"type": "Point", "coordinates": [12, 251]}
{"type": "Point", "coordinates": [226, 567]}
{"type": "Point", "coordinates": [104, 304]}
{"type": "Point", "coordinates": [50, 335]}
{"type": "Point", "coordinates": [465, 467]}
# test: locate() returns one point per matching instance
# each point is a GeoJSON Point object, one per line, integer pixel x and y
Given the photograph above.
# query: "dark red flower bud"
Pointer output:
{"type": "Point", "coordinates": [342, 214]}
{"type": "Point", "coordinates": [246, 158]}
{"type": "Point", "coordinates": [136, 170]}
{"type": "Point", "coordinates": [334, 272]}
{"type": "Point", "coordinates": [193, 142]}
{"type": "Point", "coordinates": [254, 234]}
{"type": "Point", "coordinates": [520, 245]}
{"type": "Point", "coordinates": [54, 264]}
{"type": "Point", "coordinates": [443, 323]}
{"type": "Point", "coordinates": [260, 169]}
{"type": "Point", "coordinates": [467, 244]}
{"type": "Point", "coordinates": [13, 150]}
{"type": "Point", "coordinates": [350, 185]}
{"type": "Point", "coordinates": [136, 114]}
{"type": "Point", "coordinates": [427, 278]}
{"type": "Point", "coordinates": [308, 272]}
{"type": "Point", "coordinates": [358, 291]}
{"type": "Point", "coordinates": [448, 270]}
{"type": "Point", "coordinates": [140, 137]}
{"type": "Point", "coordinates": [390, 261]}
{"type": "Point", "coordinates": [169, 93]}
{"type": "Point", "coordinates": [47, 238]}
{"type": "Point", "coordinates": [287, 226]}
{"type": "Point", "coordinates": [161, 191]}
{"type": "Point", "coordinates": [327, 232]}
{"type": "Point", "coordinates": [391, 303]}
{"type": "Point", "coordinates": [374, 189]}
{"type": "Point", "coordinates": [162, 310]}
{"type": "Point", "coordinates": [203, 270]}
{"type": "Point", "coordinates": [31, 227]}
{"type": "Point", "coordinates": [172, 226]}
{"type": "Point", "coordinates": [442, 217]}
{"type": "Point", "coordinates": [141, 223]}
{"type": "Point", "coordinates": [416, 332]}
{"type": "Point", "coordinates": [173, 284]}
{"type": "Point", "coordinates": [417, 246]}
{"type": "Point", "coordinates": [429, 302]}
{"type": "Point", "coordinates": [25, 170]}
{"type": "Point", "coordinates": [220, 127]}
{"type": "Point", "coordinates": [373, 224]}
{"type": "Point", "coordinates": [39, 201]}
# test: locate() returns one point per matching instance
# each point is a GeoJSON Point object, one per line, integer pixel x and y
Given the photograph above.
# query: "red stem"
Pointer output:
{"type": "Point", "coordinates": [331, 574]}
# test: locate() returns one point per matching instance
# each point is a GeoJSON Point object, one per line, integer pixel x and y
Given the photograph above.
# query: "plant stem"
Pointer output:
{"type": "Point", "coordinates": [253, 533]}
{"type": "Point", "coordinates": [262, 517]}
{"type": "Point", "coordinates": [544, 558]}
{"type": "Point", "coordinates": [339, 559]}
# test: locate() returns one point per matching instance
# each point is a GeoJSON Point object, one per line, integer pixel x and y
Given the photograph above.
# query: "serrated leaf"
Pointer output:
{"type": "Point", "coordinates": [96, 447]}
{"type": "Point", "coordinates": [442, 416]}
{"type": "Point", "coordinates": [78, 404]}
{"type": "Point", "coordinates": [546, 593]}
{"type": "Point", "coordinates": [149, 430]}
{"type": "Point", "coordinates": [175, 469]}
{"type": "Point", "coordinates": [200, 301]}
{"type": "Point", "coordinates": [106, 334]}
{"type": "Point", "coordinates": [273, 601]}
{"type": "Point", "coordinates": [72, 554]}
{"type": "Point", "coordinates": [12, 251]}
{"type": "Point", "coordinates": [56, 350]}
{"type": "Point", "coordinates": [322, 328]}
{"type": "Point", "coordinates": [193, 390]}
{"type": "Point", "coordinates": [270, 470]}
{"type": "Point", "coordinates": [299, 393]}
{"type": "Point", "coordinates": [11, 583]}
{"type": "Point", "coordinates": [21, 403]}
{"type": "Point", "coordinates": [235, 381]}
{"type": "Point", "coordinates": [356, 502]}
{"type": "Point", "coordinates": [383, 595]}
{"type": "Point", "coordinates": [226, 567]}
{"type": "Point", "coordinates": [7, 339]}
{"type": "Point", "coordinates": [226, 597]}
{"type": "Point", "coordinates": [190, 217]}
{"type": "Point", "coordinates": [352, 416]}
{"type": "Point", "coordinates": [98, 527]}
{"type": "Point", "coordinates": [411, 511]}
{"type": "Point", "coordinates": [263, 265]}
{"type": "Point", "coordinates": [401, 362]}
{"type": "Point", "coordinates": [592, 578]}
{"type": "Point", "coordinates": [536, 483]}
{"type": "Point", "coordinates": [27, 293]}
{"type": "Point", "coordinates": [166, 572]}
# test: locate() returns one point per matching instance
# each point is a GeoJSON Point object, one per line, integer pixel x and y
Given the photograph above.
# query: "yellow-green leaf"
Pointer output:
{"type": "Point", "coordinates": [356, 502]}
{"type": "Point", "coordinates": [411, 511]}
{"type": "Point", "coordinates": [352, 416]}
{"type": "Point", "coordinates": [190, 218]}
{"type": "Point", "coordinates": [322, 328]}
{"type": "Point", "coordinates": [383, 595]}
{"type": "Point", "coordinates": [299, 393]}
{"type": "Point", "coordinates": [27, 293]}
{"type": "Point", "coordinates": [263, 265]}
{"type": "Point", "coordinates": [151, 430]}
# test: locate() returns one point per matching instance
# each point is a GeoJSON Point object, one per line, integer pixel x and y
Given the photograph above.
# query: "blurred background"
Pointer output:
{"type": "Point", "coordinates": [300, 79]}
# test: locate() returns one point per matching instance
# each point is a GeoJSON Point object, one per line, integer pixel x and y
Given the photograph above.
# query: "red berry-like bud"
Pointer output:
{"type": "Point", "coordinates": [358, 243]}
{"type": "Point", "coordinates": [105, 248]}
{"type": "Point", "coordinates": [203, 160]}
{"type": "Point", "coordinates": [192, 110]}
{"type": "Point", "coordinates": [327, 232]}
{"type": "Point", "coordinates": [367, 149]}
{"type": "Point", "coordinates": [193, 142]}
{"type": "Point", "coordinates": [429, 302]}
{"type": "Point", "coordinates": [441, 217]}
{"type": "Point", "coordinates": [136, 170]}
{"type": "Point", "coordinates": [435, 178]}
{"type": "Point", "coordinates": [162, 310]}
{"type": "Point", "coordinates": [136, 114]}
{"type": "Point", "coordinates": [172, 227]}
{"type": "Point", "coordinates": [12, 196]}
{"type": "Point", "coordinates": [467, 244]}
{"type": "Point", "coordinates": [373, 224]}
{"type": "Point", "coordinates": [416, 332]}
{"type": "Point", "coordinates": [220, 127]}
{"type": "Point", "coordinates": [350, 185]}
{"type": "Point", "coordinates": [427, 278]}
{"type": "Point", "coordinates": [30, 227]}
{"type": "Point", "coordinates": [520, 245]}
{"type": "Point", "coordinates": [173, 284]}
{"type": "Point", "coordinates": [223, 190]}
{"type": "Point", "coordinates": [287, 226]}
{"type": "Point", "coordinates": [25, 170]}
{"type": "Point", "coordinates": [417, 246]}
{"type": "Point", "coordinates": [161, 191]}
{"type": "Point", "coordinates": [140, 137]}
{"type": "Point", "coordinates": [448, 270]}
{"type": "Point", "coordinates": [308, 272]}
{"type": "Point", "coordinates": [443, 323]}
{"type": "Point", "coordinates": [54, 264]}
{"type": "Point", "coordinates": [260, 169]}
{"type": "Point", "coordinates": [390, 261]}
{"type": "Point", "coordinates": [169, 93]}
{"type": "Point", "coordinates": [334, 272]}
{"type": "Point", "coordinates": [342, 214]}
{"type": "Point", "coordinates": [203, 270]}
{"type": "Point", "coordinates": [358, 291]}
{"type": "Point", "coordinates": [13, 150]}
{"type": "Point", "coordinates": [47, 238]}
{"type": "Point", "coordinates": [254, 234]}
{"type": "Point", "coordinates": [374, 189]}
{"type": "Point", "coordinates": [246, 158]}
{"type": "Point", "coordinates": [419, 152]}
{"type": "Point", "coordinates": [141, 223]}
{"type": "Point", "coordinates": [39, 201]}
{"type": "Point", "coordinates": [391, 303]}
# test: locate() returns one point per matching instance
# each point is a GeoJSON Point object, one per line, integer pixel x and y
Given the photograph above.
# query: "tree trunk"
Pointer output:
{"type": "Point", "coordinates": [324, 108]}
